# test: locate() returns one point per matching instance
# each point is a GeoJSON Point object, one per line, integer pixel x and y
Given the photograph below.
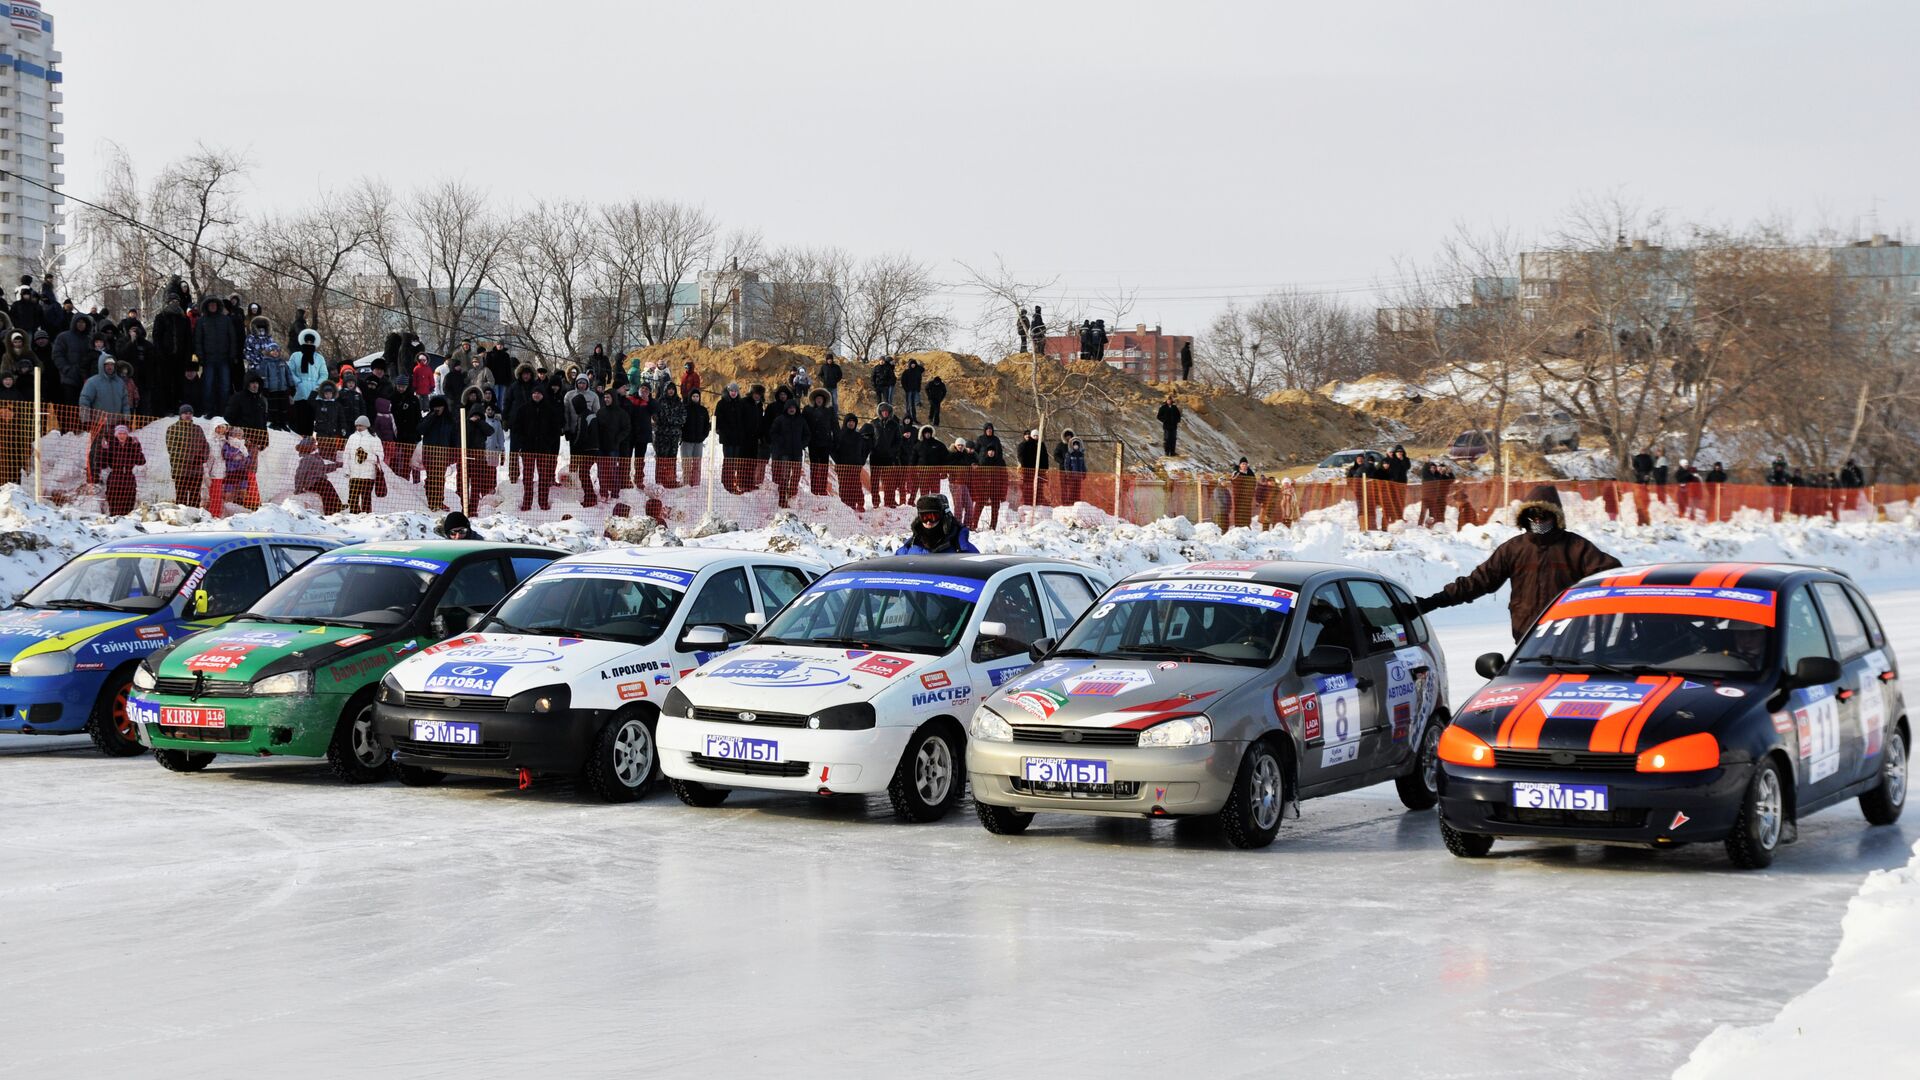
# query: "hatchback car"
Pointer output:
{"type": "Point", "coordinates": [1228, 688]}
{"type": "Point", "coordinates": [1681, 703]}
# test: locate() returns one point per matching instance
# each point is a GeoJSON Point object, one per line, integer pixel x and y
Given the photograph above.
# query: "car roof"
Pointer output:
{"type": "Point", "coordinates": [447, 550]}
{"type": "Point", "coordinates": [1773, 576]}
{"type": "Point", "coordinates": [980, 567]}
{"type": "Point", "coordinates": [1283, 572]}
{"type": "Point", "coordinates": [693, 559]}
{"type": "Point", "coordinates": [213, 541]}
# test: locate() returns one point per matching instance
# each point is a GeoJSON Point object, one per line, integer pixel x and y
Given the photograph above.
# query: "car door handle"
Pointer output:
{"type": "Point", "coordinates": [1888, 676]}
{"type": "Point", "coordinates": [1846, 695]}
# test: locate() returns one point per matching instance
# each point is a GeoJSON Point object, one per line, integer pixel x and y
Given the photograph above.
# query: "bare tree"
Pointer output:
{"type": "Point", "coordinates": [648, 252]}
{"type": "Point", "coordinates": [305, 259]}
{"type": "Point", "coordinates": [799, 305]}
{"type": "Point", "coordinates": [545, 276]}
{"type": "Point", "coordinates": [193, 207]}
{"type": "Point", "coordinates": [888, 307]}
{"type": "Point", "coordinates": [437, 249]}
{"type": "Point", "coordinates": [1285, 341]}
{"type": "Point", "coordinates": [997, 330]}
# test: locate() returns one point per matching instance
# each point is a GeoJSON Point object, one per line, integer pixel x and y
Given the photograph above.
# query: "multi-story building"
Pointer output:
{"type": "Point", "coordinates": [30, 139]}
{"type": "Point", "coordinates": [1146, 354]}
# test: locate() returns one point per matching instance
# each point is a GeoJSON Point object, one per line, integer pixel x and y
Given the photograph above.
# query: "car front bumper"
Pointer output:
{"type": "Point", "coordinates": [48, 704]}
{"type": "Point", "coordinates": [1170, 781]}
{"type": "Point", "coordinates": [548, 743]}
{"type": "Point", "coordinates": [845, 762]}
{"type": "Point", "coordinates": [289, 725]}
{"type": "Point", "coordinates": [1643, 808]}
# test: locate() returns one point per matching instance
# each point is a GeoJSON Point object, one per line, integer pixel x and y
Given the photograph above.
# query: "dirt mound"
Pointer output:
{"type": "Point", "coordinates": [1102, 405]}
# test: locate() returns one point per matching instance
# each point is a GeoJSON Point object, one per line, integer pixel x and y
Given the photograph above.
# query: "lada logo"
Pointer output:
{"type": "Point", "coordinates": [749, 717]}
{"type": "Point", "coordinates": [469, 670]}
{"type": "Point", "coordinates": [453, 703]}
{"type": "Point", "coordinates": [1069, 736]}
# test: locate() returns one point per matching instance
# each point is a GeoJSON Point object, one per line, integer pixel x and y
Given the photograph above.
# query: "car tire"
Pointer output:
{"type": "Point", "coordinates": [1002, 820]}
{"type": "Point", "coordinates": [182, 760]}
{"type": "Point", "coordinates": [353, 753]}
{"type": "Point", "coordinates": [695, 793]}
{"type": "Point", "coordinates": [418, 775]}
{"type": "Point", "coordinates": [1756, 832]}
{"type": "Point", "coordinates": [1883, 804]}
{"type": "Point", "coordinates": [1420, 788]}
{"type": "Point", "coordinates": [623, 761]}
{"type": "Point", "coordinates": [109, 726]}
{"type": "Point", "coordinates": [930, 777]}
{"type": "Point", "coordinates": [1464, 844]}
{"type": "Point", "coordinates": [1251, 818]}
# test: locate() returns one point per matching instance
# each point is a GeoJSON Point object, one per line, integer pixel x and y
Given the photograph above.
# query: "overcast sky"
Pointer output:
{"type": "Point", "coordinates": [1193, 150]}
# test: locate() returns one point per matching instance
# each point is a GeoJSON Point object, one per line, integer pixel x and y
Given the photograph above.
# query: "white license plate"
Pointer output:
{"type": "Point", "coordinates": [1057, 770]}
{"type": "Point", "coordinates": [456, 732]}
{"type": "Point", "coordinates": [193, 716]}
{"type": "Point", "coordinates": [740, 748]}
{"type": "Point", "coordinates": [1560, 796]}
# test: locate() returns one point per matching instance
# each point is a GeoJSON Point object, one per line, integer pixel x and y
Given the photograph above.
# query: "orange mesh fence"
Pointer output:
{"type": "Point", "coordinates": [83, 461]}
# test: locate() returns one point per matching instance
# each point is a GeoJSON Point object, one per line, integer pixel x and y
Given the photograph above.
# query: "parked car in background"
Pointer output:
{"type": "Point", "coordinates": [1470, 445]}
{"type": "Point", "coordinates": [1544, 431]}
{"type": "Point", "coordinates": [1336, 464]}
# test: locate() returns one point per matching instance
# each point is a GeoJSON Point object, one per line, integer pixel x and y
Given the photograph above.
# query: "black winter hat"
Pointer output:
{"type": "Point", "coordinates": [930, 504]}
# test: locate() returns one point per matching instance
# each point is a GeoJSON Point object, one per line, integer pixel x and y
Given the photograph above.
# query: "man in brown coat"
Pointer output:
{"type": "Point", "coordinates": [1540, 563]}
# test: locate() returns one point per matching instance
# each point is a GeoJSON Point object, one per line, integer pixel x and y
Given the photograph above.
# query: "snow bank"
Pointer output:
{"type": "Point", "coordinates": [1858, 1017]}
{"type": "Point", "coordinates": [37, 538]}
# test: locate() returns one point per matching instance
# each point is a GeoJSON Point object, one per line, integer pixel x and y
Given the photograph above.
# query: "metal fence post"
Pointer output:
{"type": "Point", "coordinates": [36, 433]}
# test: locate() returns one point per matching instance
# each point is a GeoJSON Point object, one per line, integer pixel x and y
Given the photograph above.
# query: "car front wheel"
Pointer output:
{"type": "Point", "coordinates": [927, 782]}
{"type": "Point", "coordinates": [1002, 820]}
{"type": "Point", "coordinates": [182, 760]}
{"type": "Point", "coordinates": [1756, 832]}
{"type": "Point", "coordinates": [354, 754]}
{"type": "Point", "coordinates": [1883, 804]}
{"type": "Point", "coordinates": [1419, 788]}
{"type": "Point", "coordinates": [1251, 818]}
{"type": "Point", "coordinates": [622, 763]}
{"type": "Point", "coordinates": [1463, 844]}
{"type": "Point", "coordinates": [110, 727]}
{"type": "Point", "coordinates": [695, 793]}
{"type": "Point", "coordinates": [418, 776]}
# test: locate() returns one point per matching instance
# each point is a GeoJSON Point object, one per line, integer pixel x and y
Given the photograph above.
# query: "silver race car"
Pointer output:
{"type": "Point", "coordinates": [1229, 688]}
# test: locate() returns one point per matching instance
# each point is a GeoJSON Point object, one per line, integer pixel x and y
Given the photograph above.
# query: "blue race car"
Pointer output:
{"type": "Point", "coordinates": [68, 648]}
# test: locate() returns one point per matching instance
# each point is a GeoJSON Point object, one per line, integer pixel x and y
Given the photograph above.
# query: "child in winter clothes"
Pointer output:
{"type": "Point", "coordinates": [310, 476]}
{"type": "Point", "coordinates": [237, 459]}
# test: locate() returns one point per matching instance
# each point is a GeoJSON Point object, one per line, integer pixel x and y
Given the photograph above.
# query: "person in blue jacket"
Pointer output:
{"type": "Point", "coordinates": [936, 531]}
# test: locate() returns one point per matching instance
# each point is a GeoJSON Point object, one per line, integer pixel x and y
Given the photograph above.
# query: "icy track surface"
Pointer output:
{"type": "Point", "coordinates": [259, 919]}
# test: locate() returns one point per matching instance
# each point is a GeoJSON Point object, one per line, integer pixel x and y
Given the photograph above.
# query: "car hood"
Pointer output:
{"type": "Point", "coordinates": [244, 650]}
{"type": "Point", "coordinates": [1109, 693]}
{"type": "Point", "coordinates": [798, 679]}
{"type": "Point", "coordinates": [29, 631]}
{"type": "Point", "coordinates": [1604, 714]}
{"type": "Point", "coordinates": [502, 665]}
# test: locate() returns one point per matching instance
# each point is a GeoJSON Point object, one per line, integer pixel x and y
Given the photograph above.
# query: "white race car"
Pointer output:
{"type": "Point", "coordinates": [863, 683]}
{"type": "Point", "coordinates": [565, 676]}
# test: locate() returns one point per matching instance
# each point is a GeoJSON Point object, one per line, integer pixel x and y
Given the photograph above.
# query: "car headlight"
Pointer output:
{"type": "Point", "coordinates": [287, 682]}
{"type": "Point", "coordinates": [676, 704]}
{"type": "Point", "coordinates": [1180, 731]}
{"type": "Point", "coordinates": [46, 663]}
{"type": "Point", "coordinates": [989, 726]}
{"type": "Point", "coordinates": [390, 692]}
{"type": "Point", "coordinates": [543, 700]}
{"type": "Point", "coordinates": [852, 716]}
{"type": "Point", "coordinates": [142, 678]}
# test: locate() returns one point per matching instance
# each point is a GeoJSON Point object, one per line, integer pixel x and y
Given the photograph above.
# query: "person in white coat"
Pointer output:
{"type": "Point", "coordinates": [363, 452]}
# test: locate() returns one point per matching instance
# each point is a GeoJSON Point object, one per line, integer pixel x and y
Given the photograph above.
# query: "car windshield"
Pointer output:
{"type": "Point", "coordinates": [1338, 461]}
{"type": "Point", "coordinates": [1639, 630]}
{"type": "Point", "coordinates": [579, 605]}
{"type": "Point", "coordinates": [112, 582]}
{"type": "Point", "coordinates": [1229, 622]}
{"type": "Point", "coordinates": [350, 590]}
{"type": "Point", "coordinates": [920, 613]}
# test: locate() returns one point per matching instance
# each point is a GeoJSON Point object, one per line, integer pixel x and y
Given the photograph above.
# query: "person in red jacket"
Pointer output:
{"type": "Point", "coordinates": [689, 381]}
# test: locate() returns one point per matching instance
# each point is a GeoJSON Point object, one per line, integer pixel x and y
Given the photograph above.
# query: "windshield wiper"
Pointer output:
{"type": "Point", "coordinates": [1597, 665]}
{"type": "Point", "coordinates": [74, 603]}
{"type": "Point", "coordinates": [846, 643]}
{"type": "Point", "coordinates": [1057, 653]}
{"type": "Point", "coordinates": [1172, 650]}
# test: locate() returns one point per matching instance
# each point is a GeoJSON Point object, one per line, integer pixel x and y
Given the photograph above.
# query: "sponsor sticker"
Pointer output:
{"type": "Point", "coordinates": [220, 658]}
{"type": "Point", "coordinates": [672, 579]}
{"type": "Point", "coordinates": [489, 653]}
{"type": "Point", "coordinates": [1108, 683]}
{"type": "Point", "coordinates": [778, 673]}
{"type": "Point", "coordinates": [450, 644]}
{"type": "Point", "coordinates": [150, 633]}
{"type": "Point", "coordinates": [1497, 697]}
{"type": "Point", "coordinates": [1402, 721]}
{"type": "Point", "coordinates": [269, 638]}
{"type": "Point", "coordinates": [884, 666]}
{"type": "Point", "coordinates": [1243, 593]}
{"type": "Point", "coordinates": [950, 695]}
{"type": "Point", "coordinates": [1730, 691]}
{"type": "Point", "coordinates": [936, 680]}
{"type": "Point", "coordinates": [630, 691]}
{"type": "Point", "coordinates": [1041, 703]}
{"type": "Point", "coordinates": [410, 562]}
{"type": "Point", "coordinates": [963, 588]}
{"type": "Point", "coordinates": [1310, 716]}
{"type": "Point", "coordinates": [465, 677]}
{"type": "Point", "coordinates": [996, 676]}
{"type": "Point", "coordinates": [1745, 605]}
{"type": "Point", "coordinates": [354, 640]}
{"type": "Point", "coordinates": [1340, 722]}
{"type": "Point", "coordinates": [663, 678]}
{"type": "Point", "coordinates": [90, 667]}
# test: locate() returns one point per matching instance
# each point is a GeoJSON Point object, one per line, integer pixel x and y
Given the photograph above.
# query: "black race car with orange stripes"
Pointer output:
{"type": "Point", "coordinates": [1681, 703]}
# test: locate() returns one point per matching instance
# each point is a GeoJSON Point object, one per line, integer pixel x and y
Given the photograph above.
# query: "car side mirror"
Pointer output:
{"type": "Point", "coordinates": [453, 620]}
{"type": "Point", "coordinates": [1326, 660]}
{"type": "Point", "coordinates": [993, 629]}
{"type": "Point", "coordinates": [704, 637]}
{"type": "Point", "coordinates": [756, 620]}
{"type": "Point", "coordinates": [1038, 650]}
{"type": "Point", "coordinates": [1489, 664]}
{"type": "Point", "coordinates": [1816, 671]}
{"type": "Point", "coordinates": [200, 601]}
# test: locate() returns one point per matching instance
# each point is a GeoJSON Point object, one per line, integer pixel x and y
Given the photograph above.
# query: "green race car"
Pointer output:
{"type": "Point", "coordinates": [295, 675]}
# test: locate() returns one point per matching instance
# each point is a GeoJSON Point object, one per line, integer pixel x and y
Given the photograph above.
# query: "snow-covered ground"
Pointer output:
{"type": "Point", "coordinates": [260, 918]}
